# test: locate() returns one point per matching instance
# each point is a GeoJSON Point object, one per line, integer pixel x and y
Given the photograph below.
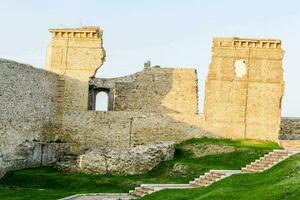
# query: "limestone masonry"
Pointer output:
{"type": "Point", "coordinates": [48, 114]}
{"type": "Point", "coordinates": [135, 160]}
{"type": "Point", "coordinates": [244, 88]}
{"type": "Point", "coordinates": [27, 116]}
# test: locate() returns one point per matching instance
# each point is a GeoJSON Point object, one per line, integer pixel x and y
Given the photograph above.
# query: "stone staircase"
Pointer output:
{"type": "Point", "coordinates": [145, 189]}
{"type": "Point", "coordinates": [259, 165]}
{"type": "Point", "coordinates": [202, 181]}
{"type": "Point", "coordinates": [211, 177]}
{"type": "Point", "coordinates": [267, 161]}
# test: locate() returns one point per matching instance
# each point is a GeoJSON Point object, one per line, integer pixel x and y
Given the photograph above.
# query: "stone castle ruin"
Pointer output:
{"type": "Point", "coordinates": [46, 113]}
{"type": "Point", "coordinates": [244, 88]}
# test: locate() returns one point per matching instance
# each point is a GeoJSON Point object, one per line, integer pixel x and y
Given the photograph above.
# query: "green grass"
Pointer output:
{"type": "Point", "coordinates": [282, 182]}
{"type": "Point", "coordinates": [48, 183]}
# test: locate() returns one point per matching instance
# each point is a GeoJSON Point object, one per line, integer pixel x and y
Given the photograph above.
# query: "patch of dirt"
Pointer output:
{"type": "Point", "coordinates": [200, 150]}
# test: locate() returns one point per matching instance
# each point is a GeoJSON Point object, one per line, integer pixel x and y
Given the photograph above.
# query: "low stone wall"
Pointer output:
{"type": "Point", "coordinates": [289, 129]}
{"type": "Point", "coordinates": [135, 160]}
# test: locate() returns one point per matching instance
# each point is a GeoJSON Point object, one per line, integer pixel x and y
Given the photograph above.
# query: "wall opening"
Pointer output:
{"type": "Point", "coordinates": [102, 101]}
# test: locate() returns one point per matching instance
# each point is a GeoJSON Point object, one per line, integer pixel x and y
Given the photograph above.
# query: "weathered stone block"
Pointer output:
{"type": "Point", "coordinates": [135, 160]}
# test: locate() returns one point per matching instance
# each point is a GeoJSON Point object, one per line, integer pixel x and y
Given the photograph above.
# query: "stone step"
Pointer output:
{"type": "Point", "coordinates": [137, 194]}
{"type": "Point", "coordinates": [214, 174]}
{"type": "Point", "coordinates": [266, 162]}
{"type": "Point", "coordinates": [208, 178]}
{"type": "Point", "coordinates": [141, 191]}
{"type": "Point", "coordinates": [249, 170]}
{"type": "Point", "coordinates": [259, 164]}
{"type": "Point", "coordinates": [255, 167]}
{"type": "Point", "coordinates": [275, 157]}
{"type": "Point", "coordinates": [269, 159]}
{"type": "Point", "coordinates": [205, 182]}
{"type": "Point", "coordinates": [198, 184]}
{"type": "Point", "coordinates": [279, 153]}
{"type": "Point", "coordinates": [165, 185]}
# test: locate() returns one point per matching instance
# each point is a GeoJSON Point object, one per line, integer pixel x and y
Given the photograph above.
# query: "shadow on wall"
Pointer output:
{"type": "Point", "coordinates": [163, 90]}
{"type": "Point", "coordinates": [156, 104]}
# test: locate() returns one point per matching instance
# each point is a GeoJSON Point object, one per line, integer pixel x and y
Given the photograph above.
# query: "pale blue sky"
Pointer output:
{"type": "Point", "coordinates": [167, 32]}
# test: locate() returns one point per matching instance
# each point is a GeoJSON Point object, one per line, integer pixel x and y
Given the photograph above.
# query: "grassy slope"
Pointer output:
{"type": "Point", "coordinates": [282, 182]}
{"type": "Point", "coordinates": [47, 183]}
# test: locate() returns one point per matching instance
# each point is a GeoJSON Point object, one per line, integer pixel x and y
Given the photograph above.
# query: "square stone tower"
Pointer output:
{"type": "Point", "coordinates": [75, 54]}
{"type": "Point", "coordinates": [244, 88]}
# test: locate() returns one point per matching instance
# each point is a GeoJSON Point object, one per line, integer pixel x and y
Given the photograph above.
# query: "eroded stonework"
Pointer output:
{"type": "Point", "coordinates": [244, 88]}
{"type": "Point", "coordinates": [27, 117]}
{"type": "Point", "coordinates": [290, 129]}
{"type": "Point", "coordinates": [156, 104]}
{"type": "Point", "coordinates": [43, 112]}
{"type": "Point", "coordinates": [135, 160]}
{"type": "Point", "coordinates": [74, 55]}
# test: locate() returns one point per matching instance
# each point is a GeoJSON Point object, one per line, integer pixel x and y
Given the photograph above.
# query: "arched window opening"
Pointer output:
{"type": "Point", "coordinates": [102, 101]}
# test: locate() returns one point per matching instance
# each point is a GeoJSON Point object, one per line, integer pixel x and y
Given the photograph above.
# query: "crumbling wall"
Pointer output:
{"type": "Point", "coordinates": [137, 160]}
{"type": "Point", "coordinates": [74, 54]}
{"type": "Point", "coordinates": [27, 115]}
{"type": "Point", "coordinates": [244, 88]}
{"type": "Point", "coordinates": [162, 90]}
{"type": "Point", "coordinates": [156, 104]}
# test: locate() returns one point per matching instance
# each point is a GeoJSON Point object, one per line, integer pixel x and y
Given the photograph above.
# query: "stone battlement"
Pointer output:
{"type": "Point", "coordinates": [84, 32]}
{"type": "Point", "coordinates": [247, 43]}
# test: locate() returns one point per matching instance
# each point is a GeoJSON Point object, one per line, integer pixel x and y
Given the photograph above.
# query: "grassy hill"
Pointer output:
{"type": "Point", "coordinates": [192, 158]}
{"type": "Point", "coordinates": [282, 182]}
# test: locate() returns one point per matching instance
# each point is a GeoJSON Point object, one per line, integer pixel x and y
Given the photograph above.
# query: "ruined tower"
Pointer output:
{"type": "Point", "coordinates": [75, 55]}
{"type": "Point", "coordinates": [244, 88]}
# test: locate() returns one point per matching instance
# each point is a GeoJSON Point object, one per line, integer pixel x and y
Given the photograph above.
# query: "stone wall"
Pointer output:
{"type": "Point", "coordinates": [135, 160]}
{"type": "Point", "coordinates": [155, 104]}
{"type": "Point", "coordinates": [244, 88]}
{"type": "Point", "coordinates": [27, 114]}
{"type": "Point", "coordinates": [122, 129]}
{"type": "Point", "coordinates": [162, 90]}
{"type": "Point", "coordinates": [34, 154]}
{"type": "Point", "coordinates": [74, 54]}
{"type": "Point", "coordinates": [289, 129]}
